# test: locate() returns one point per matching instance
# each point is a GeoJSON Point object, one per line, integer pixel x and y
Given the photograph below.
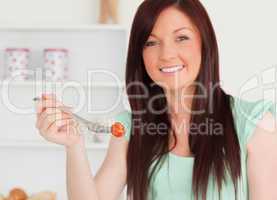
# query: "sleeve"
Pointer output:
{"type": "Point", "coordinates": [248, 114]}
{"type": "Point", "coordinates": [125, 118]}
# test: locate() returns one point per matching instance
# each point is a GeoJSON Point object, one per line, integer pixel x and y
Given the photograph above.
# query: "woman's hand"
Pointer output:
{"type": "Point", "coordinates": [55, 122]}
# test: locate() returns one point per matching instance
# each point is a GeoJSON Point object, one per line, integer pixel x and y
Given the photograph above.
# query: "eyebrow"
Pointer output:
{"type": "Point", "coordinates": [179, 29]}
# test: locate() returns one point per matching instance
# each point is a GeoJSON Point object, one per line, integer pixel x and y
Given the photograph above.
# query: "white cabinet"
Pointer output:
{"type": "Point", "coordinates": [28, 161]}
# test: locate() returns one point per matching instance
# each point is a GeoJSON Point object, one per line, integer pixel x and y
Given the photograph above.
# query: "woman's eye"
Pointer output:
{"type": "Point", "coordinates": [150, 43]}
{"type": "Point", "coordinates": [181, 38]}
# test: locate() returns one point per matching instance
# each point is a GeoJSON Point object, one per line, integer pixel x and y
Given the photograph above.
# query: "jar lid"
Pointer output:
{"type": "Point", "coordinates": [56, 49]}
{"type": "Point", "coordinates": [18, 49]}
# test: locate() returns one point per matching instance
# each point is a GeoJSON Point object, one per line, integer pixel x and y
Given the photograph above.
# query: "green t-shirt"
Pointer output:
{"type": "Point", "coordinates": [173, 180]}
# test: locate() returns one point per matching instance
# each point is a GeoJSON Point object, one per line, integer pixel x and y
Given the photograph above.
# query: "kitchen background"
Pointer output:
{"type": "Point", "coordinates": [70, 35]}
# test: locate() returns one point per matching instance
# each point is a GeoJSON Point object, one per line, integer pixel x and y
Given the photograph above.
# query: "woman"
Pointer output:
{"type": "Point", "coordinates": [177, 145]}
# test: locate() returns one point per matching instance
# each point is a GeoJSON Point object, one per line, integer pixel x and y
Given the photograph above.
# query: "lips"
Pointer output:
{"type": "Point", "coordinates": [172, 69]}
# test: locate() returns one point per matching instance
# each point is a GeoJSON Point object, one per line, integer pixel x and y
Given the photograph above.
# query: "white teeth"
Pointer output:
{"type": "Point", "coordinates": [172, 69]}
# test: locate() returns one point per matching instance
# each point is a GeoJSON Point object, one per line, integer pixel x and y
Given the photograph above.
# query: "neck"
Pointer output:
{"type": "Point", "coordinates": [179, 103]}
{"type": "Point", "coordinates": [179, 108]}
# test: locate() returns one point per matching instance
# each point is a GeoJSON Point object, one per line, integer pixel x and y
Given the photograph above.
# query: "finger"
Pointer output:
{"type": "Point", "coordinates": [69, 128]}
{"type": "Point", "coordinates": [46, 98]}
{"type": "Point", "coordinates": [45, 121]}
{"type": "Point", "coordinates": [64, 127]}
{"type": "Point", "coordinates": [51, 111]}
{"type": "Point", "coordinates": [66, 137]}
{"type": "Point", "coordinates": [66, 109]}
{"type": "Point", "coordinates": [42, 104]}
{"type": "Point", "coordinates": [52, 121]}
{"type": "Point", "coordinates": [47, 111]}
{"type": "Point", "coordinates": [50, 115]}
{"type": "Point", "coordinates": [49, 96]}
{"type": "Point", "coordinates": [55, 126]}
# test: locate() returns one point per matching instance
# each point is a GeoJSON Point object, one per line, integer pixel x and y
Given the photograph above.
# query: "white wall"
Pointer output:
{"type": "Point", "coordinates": [20, 141]}
{"type": "Point", "coordinates": [246, 30]}
{"type": "Point", "coordinates": [57, 12]}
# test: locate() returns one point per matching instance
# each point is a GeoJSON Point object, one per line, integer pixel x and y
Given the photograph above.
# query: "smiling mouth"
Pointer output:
{"type": "Point", "coordinates": [172, 69]}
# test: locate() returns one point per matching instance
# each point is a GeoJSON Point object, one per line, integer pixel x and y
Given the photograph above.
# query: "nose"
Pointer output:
{"type": "Point", "coordinates": [168, 52]}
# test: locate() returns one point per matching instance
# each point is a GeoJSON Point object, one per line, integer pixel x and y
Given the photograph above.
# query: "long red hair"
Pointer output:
{"type": "Point", "coordinates": [215, 153]}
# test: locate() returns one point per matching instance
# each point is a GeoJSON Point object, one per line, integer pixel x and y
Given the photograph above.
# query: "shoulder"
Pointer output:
{"type": "Point", "coordinates": [262, 157]}
{"type": "Point", "coordinates": [125, 117]}
{"type": "Point", "coordinates": [264, 135]}
{"type": "Point", "coordinates": [250, 115]}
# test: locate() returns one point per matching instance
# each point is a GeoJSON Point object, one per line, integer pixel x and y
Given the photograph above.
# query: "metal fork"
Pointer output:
{"type": "Point", "coordinates": [95, 127]}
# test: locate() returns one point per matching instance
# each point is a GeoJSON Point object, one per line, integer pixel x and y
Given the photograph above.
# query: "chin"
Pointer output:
{"type": "Point", "coordinates": [174, 87]}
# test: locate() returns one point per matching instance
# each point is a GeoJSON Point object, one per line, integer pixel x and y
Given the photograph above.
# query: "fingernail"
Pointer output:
{"type": "Point", "coordinates": [48, 95]}
{"type": "Point", "coordinates": [43, 96]}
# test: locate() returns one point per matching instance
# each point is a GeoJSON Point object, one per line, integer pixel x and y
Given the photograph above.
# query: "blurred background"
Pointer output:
{"type": "Point", "coordinates": [77, 50]}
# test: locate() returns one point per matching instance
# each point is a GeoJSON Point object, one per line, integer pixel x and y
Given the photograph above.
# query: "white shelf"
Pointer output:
{"type": "Point", "coordinates": [91, 47]}
{"type": "Point", "coordinates": [84, 27]}
{"type": "Point", "coordinates": [47, 83]}
{"type": "Point", "coordinates": [42, 144]}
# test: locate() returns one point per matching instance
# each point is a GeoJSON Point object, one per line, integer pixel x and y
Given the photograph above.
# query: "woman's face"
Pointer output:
{"type": "Point", "coordinates": [172, 53]}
